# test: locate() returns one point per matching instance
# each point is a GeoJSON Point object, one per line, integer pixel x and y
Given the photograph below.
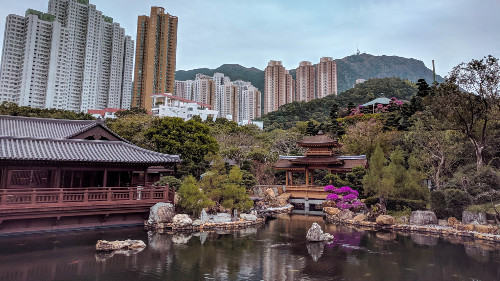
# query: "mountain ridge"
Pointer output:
{"type": "Point", "coordinates": [350, 68]}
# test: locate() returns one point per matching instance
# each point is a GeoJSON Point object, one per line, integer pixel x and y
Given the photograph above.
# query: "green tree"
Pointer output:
{"type": "Point", "coordinates": [379, 182]}
{"type": "Point", "coordinates": [191, 198]}
{"type": "Point", "coordinates": [234, 194]}
{"type": "Point", "coordinates": [171, 181]}
{"type": "Point", "coordinates": [191, 140]}
{"type": "Point", "coordinates": [133, 127]}
{"type": "Point", "coordinates": [470, 102]}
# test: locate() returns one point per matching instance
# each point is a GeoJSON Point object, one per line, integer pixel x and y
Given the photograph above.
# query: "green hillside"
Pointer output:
{"type": "Point", "coordinates": [319, 109]}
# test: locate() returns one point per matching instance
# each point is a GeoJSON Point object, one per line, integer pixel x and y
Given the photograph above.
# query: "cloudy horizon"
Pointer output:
{"type": "Point", "coordinates": [251, 33]}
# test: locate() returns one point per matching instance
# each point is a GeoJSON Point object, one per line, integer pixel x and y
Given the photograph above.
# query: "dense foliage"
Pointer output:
{"type": "Point", "coordinates": [7, 108]}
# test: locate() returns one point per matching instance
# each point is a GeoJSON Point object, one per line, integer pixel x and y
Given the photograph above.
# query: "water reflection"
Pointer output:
{"type": "Point", "coordinates": [276, 251]}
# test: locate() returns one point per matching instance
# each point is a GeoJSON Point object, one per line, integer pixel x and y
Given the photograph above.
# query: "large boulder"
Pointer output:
{"type": "Point", "coordinates": [283, 199]}
{"type": "Point", "coordinates": [452, 221]}
{"type": "Point", "coordinates": [104, 245]}
{"type": "Point", "coordinates": [248, 217]}
{"type": "Point", "coordinates": [331, 211]}
{"type": "Point", "coordinates": [181, 220]}
{"type": "Point", "coordinates": [315, 234]}
{"type": "Point", "coordinates": [385, 220]}
{"type": "Point", "coordinates": [345, 215]}
{"type": "Point", "coordinates": [473, 218]}
{"type": "Point", "coordinates": [161, 213]}
{"type": "Point", "coordinates": [423, 218]}
{"type": "Point", "coordinates": [220, 218]}
{"type": "Point", "coordinates": [360, 218]}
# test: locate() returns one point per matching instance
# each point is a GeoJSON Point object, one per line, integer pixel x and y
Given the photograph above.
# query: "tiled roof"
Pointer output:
{"type": "Point", "coordinates": [381, 100]}
{"type": "Point", "coordinates": [336, 162]}
{"type": "Point", "coordinates": [41, 127]}
{"type": "Point", "coordinates": [318, 140]}
{"type": "Point", "coordinates": [69, 150]}
{"type": "Point", "coordinates": [18, 126]}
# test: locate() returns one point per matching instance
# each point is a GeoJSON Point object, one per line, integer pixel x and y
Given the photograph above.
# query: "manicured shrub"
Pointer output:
{"type": "Point", "coordinates": [438, 204]}
{"type": "Point", "coordinates": [456, 202]}
{"type": "Point", "coordinates": [398, 204]}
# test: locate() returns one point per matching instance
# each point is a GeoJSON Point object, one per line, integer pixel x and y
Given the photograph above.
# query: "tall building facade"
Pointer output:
{"type": "Point", "coordinates": [203, 89]}
{"type": "Point", "coordinates": [278, 86]}
{"type": "Point", "coordinates": [305, 82]}
{"type": "Point", "coordinates": [238, 100]}
{"type": "Point", "coordinates": [326, 77]}
{"type": "Point", "coordinates": [249, 101]}
{"type": "Point", "coordinates": [72, 58]}
{"type": "Point", "coordinates": [155, 56]}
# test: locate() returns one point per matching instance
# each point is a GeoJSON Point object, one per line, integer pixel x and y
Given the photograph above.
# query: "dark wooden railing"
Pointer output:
{"type": "Point", "coordinates": [68, 196]}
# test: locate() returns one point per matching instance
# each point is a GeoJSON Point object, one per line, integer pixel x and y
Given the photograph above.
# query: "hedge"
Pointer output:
{"type": "Point", "coordinates": [398, 204]}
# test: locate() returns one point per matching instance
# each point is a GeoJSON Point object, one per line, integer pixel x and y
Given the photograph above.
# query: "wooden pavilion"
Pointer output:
{"type": "Point", "coordinates": [320, 154]}
{"type": "Point", "coordinates": [58, 174]}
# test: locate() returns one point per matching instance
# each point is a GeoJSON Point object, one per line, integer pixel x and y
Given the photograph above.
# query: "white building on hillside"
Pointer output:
{"type": "Point", "coordinates": [168, 105]}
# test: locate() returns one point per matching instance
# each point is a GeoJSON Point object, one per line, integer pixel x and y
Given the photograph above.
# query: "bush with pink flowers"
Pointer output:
{"type": "Point", "coordinates": [344, 198]}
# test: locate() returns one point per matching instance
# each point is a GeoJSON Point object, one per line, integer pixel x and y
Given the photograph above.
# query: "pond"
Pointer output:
{"type": "Point", "coordinates": [276, 251]}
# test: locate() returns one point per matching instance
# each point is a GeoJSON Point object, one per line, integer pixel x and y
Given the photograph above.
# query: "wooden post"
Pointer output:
{"type": "Point", "coordinates": [291, 178]}
{"type": "Point", "coordinates": [33, 196]}
{"type": "Point", "coordinates": [61, 196]}
{"type": "Point", "coordinates": [105, 178]}
{"type": "Point", "coordinates": [146, 177]}
{"type": "Point", "coordinates": [286, 178]}
{"type": "Point", "coordinates": [312, 177]}
{"type": "Point", "coordinates": [4, 178]}
{"type": "Point", "coordinates": [86, 195]}
{"type": "Point", "coordinates": [307, 177]}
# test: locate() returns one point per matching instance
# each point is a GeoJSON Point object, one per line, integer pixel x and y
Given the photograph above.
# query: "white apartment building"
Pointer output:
{"type": "Point", "coordinates": [249, 99]}
{"type": "Point", "coordinates": [70, 58]}
{"type": "Point", "coordinates": [167, 105]}
{"type": "Point", "coordinates": [184, 89]}
{"type": "Point", "coordinates": [237, 100]}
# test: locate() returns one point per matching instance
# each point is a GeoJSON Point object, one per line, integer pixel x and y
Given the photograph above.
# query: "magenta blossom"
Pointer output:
{"type": "Point", "coordinates": [329, 188]}
{"type": "Point", "coordinates": [332, 197]}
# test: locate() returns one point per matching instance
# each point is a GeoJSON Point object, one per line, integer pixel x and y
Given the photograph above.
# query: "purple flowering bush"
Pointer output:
{"type": "Point", "coordinates": [344, 198]}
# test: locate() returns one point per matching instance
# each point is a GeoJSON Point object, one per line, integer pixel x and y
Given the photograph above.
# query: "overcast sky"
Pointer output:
{"type": "Point", "coordinates": [252, 32]}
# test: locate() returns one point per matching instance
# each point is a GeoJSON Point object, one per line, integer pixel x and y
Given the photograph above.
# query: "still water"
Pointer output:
{"type": "Point", "coordinates": [276, 251]}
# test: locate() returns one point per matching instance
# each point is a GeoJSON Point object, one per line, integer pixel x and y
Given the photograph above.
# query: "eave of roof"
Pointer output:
{"type": "Point", "coordinates": [77, 150]}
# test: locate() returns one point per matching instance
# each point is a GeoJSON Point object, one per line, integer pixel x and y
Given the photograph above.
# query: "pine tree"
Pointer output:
{"type": "Point", "coordinates": [191, 198]}
{"type": "Point", "coordinates": [379, 181]}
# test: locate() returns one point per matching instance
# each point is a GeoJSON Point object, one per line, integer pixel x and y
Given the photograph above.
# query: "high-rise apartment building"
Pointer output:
{"type": "Point", "coordinates": [278, 86]}
{"type": "Point", "coordinates": [72, 57]}
{"type": "Point", "coordinates": [184, 89]}
{"type": "Point", "coordinates": [203, 89]}
{"type": "Point", "coordinates": [305, 82]}
{"type": "Point", "coordinates": [326, 77]}
{"type": "Point", "coordinates": [249, 98]}
{"type": "Point", "coordinates": [155, 57]}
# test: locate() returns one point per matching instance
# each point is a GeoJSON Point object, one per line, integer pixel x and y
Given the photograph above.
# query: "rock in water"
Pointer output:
{"type": "Point", "coordinates": [473, 218]}
{"type": "Point", "coordinates": [181, 220]}
{"type": "Point", "coordinates": [423, 218]}
{"type": "Point", "coordinates": [385, 220]}
{"type": "Point", "coordinates": [103, 245]}
{"type": "Point", "coordinates": [315, 250]}
{"type": "Point", "coordinates": [161, 213]}
{"type": "Point", "coordinates": [315, 234]}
